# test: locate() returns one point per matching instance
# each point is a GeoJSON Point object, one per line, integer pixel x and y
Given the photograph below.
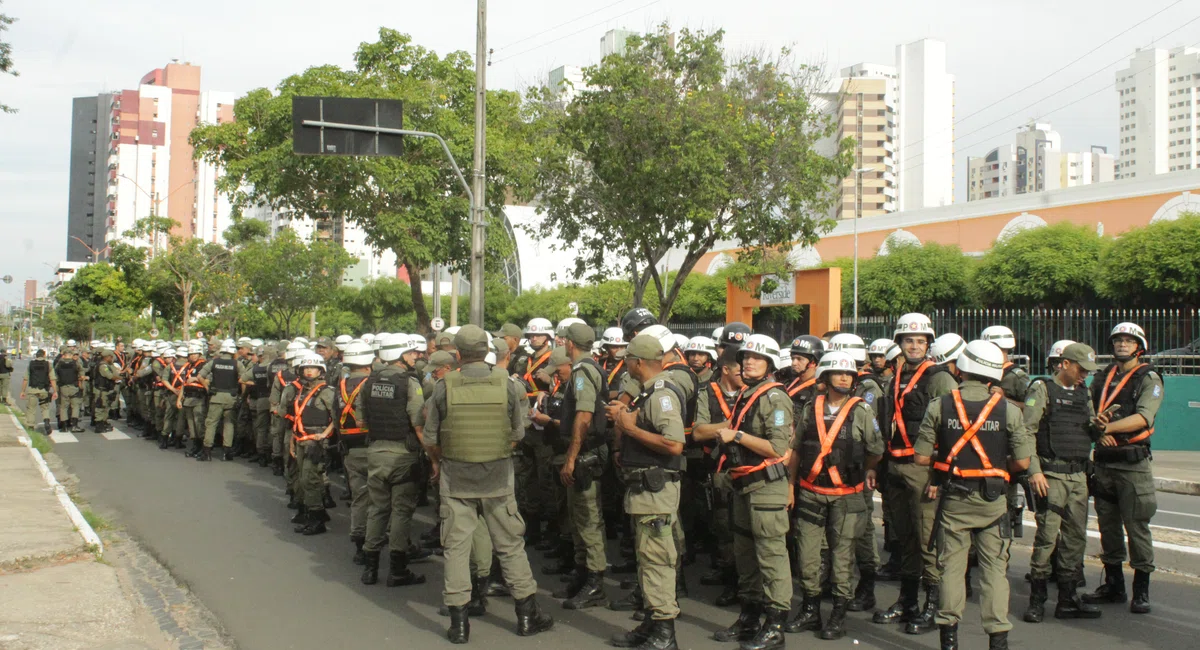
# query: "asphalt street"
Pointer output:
{"type": "Point", "coordinates": [222, 529]}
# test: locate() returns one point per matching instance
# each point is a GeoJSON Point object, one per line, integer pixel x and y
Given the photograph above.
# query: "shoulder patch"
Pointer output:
{"type": "Point", "coordinates": [869, 397]}
{"type": "Point", "coordinates": [1030, 402]}
{"type": "Point", "coordinates": [664, 403]}
{"type": "Point", "coordinates": [659, 384]}
{"type": "Point", "coordinates": [579, 383]}
{"type": "Point", "coordinates": [780, 417]}
{"type": "Point", "coordinates": [1157, 390]}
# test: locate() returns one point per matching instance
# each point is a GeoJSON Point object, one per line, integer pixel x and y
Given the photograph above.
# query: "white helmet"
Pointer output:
{"type": "Point", "coordinates": [490, 358]}
{"type": "Point", "coordinates": [614, 337]}
{"type": "Point", "coordinates": [716, 335]}
{"type": "Point", "coordinates": [311, 360]}
{"type": "Point", "coordinates": [181, 351]}
{"type": "Point", "coordinates": [418, 342]}
{"type": "Point", "coordinates": [367, 338]}
{"type": "Point", "coordinates": [169, 353]}
{"type": "Point", "coordinates": [302, 340]}
{"type": "Point", "coordinates": [293, 350]}
{"type": "Point", "coordinates": [154, 353]}
{"type": "Point", "coordinates": [1001, 336]}
{"type": "Point", "coordinates": [892, 353]}
{"type": "Point", "coordinates": [342, 341]}
{"type": "Point", "coordinates": [597, 348]}
{"type": "Point", "coordinates": [195, 347]}
{"type": "Point", "coordinates": [358, 354]}
{"type": "Point", "coordinates": [702, 344]}
{"type": "Point", "coordinates": [880, 347]}
{"type": "Point", "coordinates": [539, 326]}
{"type": "Point", "coordinates": [228, 346]}
{"type": "Point", "coordinates": [681, 342]}
{"type": "Point", "coordinates": [665, 338]}
{"type": "Point", "coordinates": [763, 346]}
{"type": "Point", "coordinates": [914, 324]}
{"type": "Point", "coordinates": [71, 343]}
{"type": "Point", "coordinates": [137, 343]}
{"type": "Point", "coordinates": [982, 358]}
{"type": "Point", "coordinates": [245, 342]}
{"type": "Point", "coordinates": [258, 343]}
{"type": "Point", "coordinates": [454, 330]}
{"type": "Point", "coordinates": [1056, 350]}
{"type": "Point", "coordinates": [851, 344]}
{"type": "Point", "coordinates": [946, 348]}
{"type": "Point", "coordinates": [393, 346]}
{"type": "Point", "coordinates": [837, 361]}
{"type": "Point", "coordinates": [1130, 329]}
{"type": "Point", "coordinates": [563, 324]}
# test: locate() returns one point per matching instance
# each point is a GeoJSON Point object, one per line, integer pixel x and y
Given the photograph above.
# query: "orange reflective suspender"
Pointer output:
{"type": "Point", "coordinates": [177, 378]}
{"type": "Point", "coordinates": [292, 416]}
{"type": "Point", "coordinates": [530, 368]}
{"type": "Point", "coordinates": [970, 432]}
{"type": "Point", "coordinates": [739, 472]}
{"type": "Point", "coordinates": [612, 375]}
{"type": "Point", "coordinates": [796, 386]}
{"type": "Point", "coordinates": [725, 408]}
{"type": "Point", "coordinates": [1106, 402]}
{"type": "Point", "coordinates": [298, 407]}
{"type": "Point", "coordinates": [897, 416]}
{"type": "Point", "coordinates": [827, 438]}
{"type": "Point", "coordinates": [348, 410]}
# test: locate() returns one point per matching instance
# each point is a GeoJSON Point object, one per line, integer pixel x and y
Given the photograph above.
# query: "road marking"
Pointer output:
{"type": "Point", "coordinates": [1181, 514]}
{"type": "Point", "coordinates": [114, 435]}
{"type": "Point", "coordinates": [63, 436]}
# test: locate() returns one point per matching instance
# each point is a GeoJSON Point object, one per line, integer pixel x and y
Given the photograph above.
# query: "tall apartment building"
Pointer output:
{"type": "Point", "coordinates": [1157, 95]}
{"type": "Point", "coordinates": [902, 120]}
{"type": "Point", "coordinates": [1035, 163]}
{"type": "Point", "coordinates": [130, 159]}
{"type": "Point", "coordinates": [567, 80]}
{"type": "Point", "coordinates": [613, 41]}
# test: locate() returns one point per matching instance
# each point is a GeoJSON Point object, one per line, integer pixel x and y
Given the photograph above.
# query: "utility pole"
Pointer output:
{"type": "Point", "coordinates": [477, 180]}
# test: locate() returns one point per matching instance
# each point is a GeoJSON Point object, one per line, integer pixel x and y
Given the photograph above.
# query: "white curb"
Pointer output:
{"type": "Point", "coordinates": [85, 529]}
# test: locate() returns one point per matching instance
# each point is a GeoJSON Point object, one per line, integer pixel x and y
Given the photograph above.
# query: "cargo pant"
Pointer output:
{"type": "Point", "coordinates": [837, 521]}
{"type": "Point", "coordinates": [506, 529]}
{"type": "Point", "coordinates": [36, 399]}
{"type": "Point", "coordinates": [587, 526]}
{"type": "Point", "coordinates": [70, 401]}
{"type": "Point", "coordinates": [5, 397]}
{"type": "Point", "coordinates": [1062, 522]}
{"type": "Point", "coordinates": [171, 416]}
{"type": "Point", "coordinates": [262, 430]}
{"type": "Point", "coordinates": [220, 413]}
{"type": "Point", "coordinates": [310, 484]}
{"type": "Point", "coordinates": [912, 518]}
{"type": "Point", "coordinates": [193, 419]}
{"type": "Point", "coordinates": [967, 519]}
{"type": "Point", "coordinates": [1125, 502]}
{"type": "Point", "coordinates": [355, 463]}
{"type": "Point", "coordinates": [866, 552]}
{"type": "Point", "coordinates": [103, 403]}
{"type": "Point", "coordinates": [392, 485]}
{"type": "Point", "coordinates": [760, 527]}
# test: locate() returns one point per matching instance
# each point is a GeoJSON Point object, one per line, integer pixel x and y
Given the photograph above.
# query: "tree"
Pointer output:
{"type": "Point", "coordinates": [243, 231]}
{"type": "Point", "coordinates": [1154, 266]}
{"type": "Point", "coordinates": [413, 204]}
{"type": "Point", "coordinates": [6, 62]}
{"type": "Point", "coordinates": [380, 302]}
{"type": "Point", "coordinates": [909, 278]}
{"type": "Point", "coordinates": [1053, 266]}
{"type": "Point", "coordinates": [192, 266]}
{"type": "Point", "coordinates": [287, 277]}
{"type": "Point", "coordinates": [674, 145]}
{"type": "Point", "coordinates": [96, 296]}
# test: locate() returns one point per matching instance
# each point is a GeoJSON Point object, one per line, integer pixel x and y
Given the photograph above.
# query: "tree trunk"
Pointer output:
{"type": "Point", "coordinates": [185, 293]}
{"type": "Point", "coordinates": [418, 299]}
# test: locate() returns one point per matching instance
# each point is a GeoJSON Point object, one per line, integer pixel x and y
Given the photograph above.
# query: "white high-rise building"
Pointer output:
{"type": "Point", "coordinates": [568, 81]}
{"type": "Point", "coordinates": [1036, 163]}
{"type": "Point", "coordinates": [1157, 96]}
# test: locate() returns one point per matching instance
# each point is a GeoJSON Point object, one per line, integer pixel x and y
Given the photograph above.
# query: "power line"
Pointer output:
{"type": "Point", "coordinates": [577, 32]}
{"type": "Point", "coordinates": [561, 25]}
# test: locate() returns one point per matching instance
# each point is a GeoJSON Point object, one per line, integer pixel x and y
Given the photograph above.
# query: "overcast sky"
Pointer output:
{"type": "Point", "coordinates": [70, 48]}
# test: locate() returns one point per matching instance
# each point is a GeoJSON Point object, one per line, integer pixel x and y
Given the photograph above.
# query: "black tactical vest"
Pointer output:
{"type": "Point", "coordinates": [68, 373]}
{"type": "Point", "coordinates": [993, 434]}
{"type": "Point", "coordinates": [596, 434]}
{"type": "Point", "coordinates": [224, 376]}
{"type": "Point", "coordinates": [846, 454]}
{"type": "Point", "coordinates": [686, 379]}
{"type": "Point", "coordinates": [635, 455]}
{"type": "Point", "coordinates": [915, 403]}
{"type": "Point", "coordinates": [1063, 432]}
{"type": "Point", "coordinates": [4, 371]}
{"type": "Point", "coordinates": [386, 407]}
{"type": "Point", "coordinates": [352, 432]}
{"type": "Point", "coordinates": [312, 419]}
{"type": "Point", "coordinates": [744, 413]}
{"type": "Point", "coordinates": [262, 382]}
{"type": "Point", "coordinates": [1126, 400]}
{"type": "Point", "coordinates": [39, 374]}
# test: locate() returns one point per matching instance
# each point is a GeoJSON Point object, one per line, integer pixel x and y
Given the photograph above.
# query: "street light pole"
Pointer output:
{"type": "Point", "coordinates": [857, 215]}
{"type": "Point", "coordinates": [477, 180]}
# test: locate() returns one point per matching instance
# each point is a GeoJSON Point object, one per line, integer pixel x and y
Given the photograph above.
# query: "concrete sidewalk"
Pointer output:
{"type": "Point", "coordinates": [56, 593]}
{"type": "Point", "coordinates": [1177, 472]}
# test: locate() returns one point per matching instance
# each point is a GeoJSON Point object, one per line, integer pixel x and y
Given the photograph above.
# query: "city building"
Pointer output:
{"type": "Point", "coordinates": [371, 264]}
{"type": "Point", "coordinates": [131, 159]}
{"type": "Point", "coordinates": [902, 120]}
{"type": "Point", "coordinates": [31, 291]}
{"type": "Point", "coordinates": [1159, 111]}
{"type": "Point", "coordinates": [1036, 163]}
{"type": "Point", "coordinates": [568, 81]}
{"type": "Point", "coordinates": [613, 41]}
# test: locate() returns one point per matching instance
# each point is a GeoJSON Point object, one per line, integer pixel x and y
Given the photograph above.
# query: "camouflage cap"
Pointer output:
{"type": "Point", "coordinates": [1082, 354]}
{"type": "Point", "coordinates": [559, 357]}
{"type": "Point", "coordinates": [509, 329]}
{"type": "Point", "coordinates": [581, 335]}
{"type": "Point", "coordinates": [325, 342]}
{"type": "Point", "coordinates": [441, 358]}
{"type": "Point", "coordinates": [471, 339]}
{"type": "Point", "coordinates": [644, 346]}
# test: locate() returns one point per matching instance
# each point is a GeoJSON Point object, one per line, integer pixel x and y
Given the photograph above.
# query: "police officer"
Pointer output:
{"type": "Point", "coordinates": [173, 382]}
{"type": "Point", "coordinates": [69, 373]}
{"type": "Point", "coordinates": [353, 440]}
{"type": "Point", "coordinates": [1016, 381]}
{"type": "Point", "coordinates": [755, 454]}
{"type": "Point", "coordinates": [537, 487]}
{"type": "Point", "coordinates": [1126, 396]}
{"type": "Point", "coordinates": [475, 417]}
{"type": "Point", "coordinates": [944, 352]}
{"type": "Point", "coordinates": [1054, 356]}
{"type": "Point", "coordinates": [733, 335]}
{"type": "Point", "coordinates": [41, 386]}
{"type": "Point", "coordinates": [912, 510]}
{"type": "Point", "coordinates": [834, 453]}
{"type": "Point", "coordinates": [314, 423]}
{"type": "Point", "coordinates": [1059, 414]}
{"type": "Point", "coordinates": [6, 368]}
{"type": "Point", "coordinates": [281, 376]}
{"type": "Point", "coordinates": [877, 353]}
{"type": "Point", "coordinates": [967, 437]}
{"type": "Point", "coordinates": [107, 376]}
{"type": "Point", "coordinates": [257, 380]}
{"type": "Point", "coordinates": [191, 400]}
{"type": "Point", "coordinates": [701, 354]}
{"type": "Point", "coordinates": [390, 403]}
{"type": "Point", "coordinates": [220, 377]}
{"type": "Point", "coordinates": [651, 439]}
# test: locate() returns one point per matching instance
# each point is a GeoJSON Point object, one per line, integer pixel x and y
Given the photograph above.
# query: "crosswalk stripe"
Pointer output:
{"type": "Point", "coordinates": [63, 436]}
{"type": "Point", "coordinates": [114, 435]}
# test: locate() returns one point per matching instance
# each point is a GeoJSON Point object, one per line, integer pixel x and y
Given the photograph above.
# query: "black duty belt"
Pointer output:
{"type": "Point", "coordinates": [635, 485]}
{"type": "Point", "coordinates": [1127, 454]}
{"type": "Point", "coordinates": [1064, 466]}
{"type": "Point", "coordinates": [770, 474]}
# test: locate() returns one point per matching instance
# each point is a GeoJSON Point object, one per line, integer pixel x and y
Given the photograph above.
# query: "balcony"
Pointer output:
{"type": "Point", "coordinates": [889, 176]}
{"type": "Point", "coordinates": [889, 192]}
{"type": "Point", "coordinates": [889, 146]}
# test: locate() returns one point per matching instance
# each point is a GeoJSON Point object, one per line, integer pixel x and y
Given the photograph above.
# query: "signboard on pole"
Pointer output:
{"type": "Point", "coordinates": [437, 324]}
{"type": "Point", "coordinates": [349, 111]}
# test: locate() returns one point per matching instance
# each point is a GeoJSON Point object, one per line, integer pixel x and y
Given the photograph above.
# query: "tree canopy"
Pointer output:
{"type": "Point", "coordinates": [97, 296]}
{"type": "Point", "coordinates": [1053, 266]}
{"type": "Point", "coordinates": [6, 62]}
{"type": "Point", "coordinates": [288, 277]}
{"type": "Point", "coordinates": [1154, 266]}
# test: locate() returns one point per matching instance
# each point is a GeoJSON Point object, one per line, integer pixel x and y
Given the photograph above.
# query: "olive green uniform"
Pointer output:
{"type": "Point", "coordinates": [38, 397]}
{"type": "Point", "coordinates": [171, 421]}
{"type": "Point", "coordinates": [866, 553]}
{"type": "Point", "coordinates": [654, 513]}
{"type": "Point", "coordinates": [146, 373]}
{"type": "Point", "coordinates": [107, 397]}
{"type": "Point", "coordinates": [832, 518]}
{"type": "Point", "coordinates": [970, 517]}
{"type": "Point", "coordinates": [70, 396]}
{"type": "Point", "coordinates": [584, 509]}
{"type": "Point", "coordinates": [471, 490]}
{"type": "Point", "coordinates": [220, 411]}
{"type": "Point", "coordinates": [260, 411]}
{"type": "Point", "coordinates": [192, 410]}
{"type": "Point", "coordinates": [722, 488]}
{"type": "Point", "coordinates": [354, 455]}
{"type": "Point", "coordinates": [6, 368]}
{"type": "Point", "coordinates": [310, 447]}
{"type": "Point", "coordinates": [1015, 384]}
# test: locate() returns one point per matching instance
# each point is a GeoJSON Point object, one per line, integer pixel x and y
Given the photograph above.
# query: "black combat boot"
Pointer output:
{"type": "Point", "coordinates": [205, 454]}
{"type": "Point", "coordinates": [316, 523]}
{"type": "Point", "coordinates": [46, 425]}
{"type": "Point", "coordinates": [906, 608]}
{"type": "Point", "coordinates": [681, 590]}
{"type": "Point", "coordinates": [75, 426]}
{"type": "Point", "coordinates": [360, 556]}
{"type": "Point", "coordinates": [890, 569]}
{"type": "Point", "coordinates": [590, 593]}
{"type": "Point", "coordinates": [835, 625]}
{"type": "Point", "coordinates": [416, 553]}
{"type": "Point", "coordinates": [1070, 605]}
{"type": "Point", "coordinates": [745, 628]}
{"type": "Point", "coordinates": [631, 603]}
{"type": "Point", "coordinates": [713, 578]}
{"type": "Point", "coordinates": [998, 641]}
{"type": "Point", "coordinates": [1037, 601]}
{"type": "Point", "coordinates": [728, 595]}
{"type": "Point", "coordinates": [949, 636]}
{"type": "Point", "coordinates": [264, 458]}
{"type": "Point", "coordinates": [194, 450]}
{"type": "Point", "coordinates": [864, 593]}
{"type": "Point", "coordinates": [571, 588]}
{"type": "Point", "coordinates": [301, 515]}
{"type": "Point", "coordinates": [1141, 593]}
{"type": "Point", "coordinates": [327, 498]}
{"type": "Point", "coordinates": [164, 442]}
{"type": "Point", "coordinates": [634, 638]}
{"type": "Point", "coordinates": [459, 631]}
{"type": "Point", "coordinates": [565, 554]}
{"type": "Point", "coordinates": [530, 619]}
{"type": "Point", "coordinates": [399, 574]}
{"type": "Point", "coordinates": [370, 573]}
{"type": "Point", "coordinates": [277, 466]}
{"type": "Point", "coordinates": [496, 587]}
{"type": "Point", "coordinates": [770, 635]}
{"type": "Point", "coordinates": [660, 636]}
{"type": "Point", "coordinates": [809, 616]}
{"type": "Point", "coordinates": [924, 621]}
{"type": "Point", "coordinates": [478, 604]}
{"type": "Point", "coordinates": [228, 456]}
{"type": "Point", "coordinates": [1112, 590]}
{"type": "Point", "coordinates": [628, 566]}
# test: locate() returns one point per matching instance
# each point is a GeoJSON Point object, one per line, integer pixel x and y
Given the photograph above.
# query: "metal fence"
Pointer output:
{"type": "Point", "coordinates": [1037, 329]}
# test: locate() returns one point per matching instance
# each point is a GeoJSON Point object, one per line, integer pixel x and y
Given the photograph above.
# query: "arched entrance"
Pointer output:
{"type": "Point", "coordinates": [820, 289]}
